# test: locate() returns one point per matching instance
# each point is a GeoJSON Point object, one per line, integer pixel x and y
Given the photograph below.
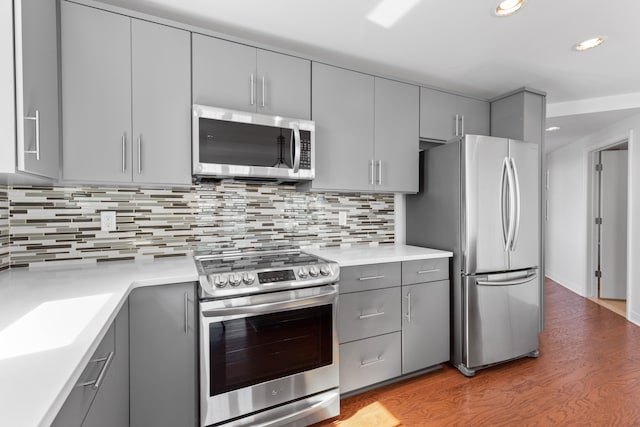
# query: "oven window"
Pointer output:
{"type": "Point", "coordinates": [252, 350]}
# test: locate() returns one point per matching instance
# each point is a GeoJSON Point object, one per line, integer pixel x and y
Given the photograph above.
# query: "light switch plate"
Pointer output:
{"type": "Point", "coordinates": [108, 220]}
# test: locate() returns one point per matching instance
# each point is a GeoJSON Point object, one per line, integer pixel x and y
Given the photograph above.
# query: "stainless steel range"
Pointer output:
{"type": "Point", "coordinates": [268, 340]}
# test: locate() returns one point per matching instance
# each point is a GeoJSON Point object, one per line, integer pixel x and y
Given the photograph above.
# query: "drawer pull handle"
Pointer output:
{"type": "Point", "coordinates": [96, 383]}
{"type": "Point", "coordinates": [367, 316]}
{"type": "Point", "coordinates": [373, 362]}
{"type": "Point", "coordinates": [370, 278]}
{"type": "Point", "coordinates": [433, 270]}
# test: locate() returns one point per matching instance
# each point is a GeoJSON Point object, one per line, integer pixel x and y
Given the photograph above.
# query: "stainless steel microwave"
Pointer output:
{"type": "Point", "coordinates": [239, 144]}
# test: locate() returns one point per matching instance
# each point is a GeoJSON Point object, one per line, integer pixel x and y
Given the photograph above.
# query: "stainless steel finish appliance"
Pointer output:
{"type": "Point", "coordinates": [479, 198]}
{"type": "Point", "coordinates": [268, 338]}
{"type": "Point", "coordinates": [239, 144]}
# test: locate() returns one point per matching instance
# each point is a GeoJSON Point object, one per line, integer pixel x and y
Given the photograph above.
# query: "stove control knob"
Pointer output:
{"type": "Point", "coordinates": [313, 271]}
{"type": "Point", "coordinates": [325, 270]}
{"type": "Point", "coordinates": [248, 278]}
{"type": "Point", "coordinates": [303, 272]}
{"type": "Point", "coordinates": [219, 280]}
{"type": "Point", "coordinates": [234, 279]}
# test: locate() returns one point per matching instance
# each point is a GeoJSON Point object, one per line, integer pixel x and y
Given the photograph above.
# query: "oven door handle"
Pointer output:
{"type": "Point", "coordinates": [325, 296]}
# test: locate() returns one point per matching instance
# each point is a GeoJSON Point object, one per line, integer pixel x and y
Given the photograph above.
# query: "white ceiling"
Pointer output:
{"type": "Point", "coordinates": [459, 46]}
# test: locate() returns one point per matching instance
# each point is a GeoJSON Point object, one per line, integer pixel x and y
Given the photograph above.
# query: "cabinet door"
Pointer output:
{"type": "Point", "coordinates": [284, 85]}
{"type": "Point", "coordinates": [163, 356]}
{"type": "Point", "coordinates": [161, 85]}
{"type": "Point", "coordinates": [36, 50]}
{"type": "Point", "coordinates": [438, 112]}
{"type": "Point", "coordinates": [425, 325]}
{"type": "Point", "coordinates": [96, 94]}
{"type": "Point", "coordinates": [110, 407]}
{"type": "Point", "coordinates": [224, 74]}
{"type": "Point", "coordinates": [397, 122]}
{"type": "Point", "coordinates": [475, 116]}
{"type": "Point", "coordinates": [342, 105]}
{"type": "Point", "coordinates": [7, 87]}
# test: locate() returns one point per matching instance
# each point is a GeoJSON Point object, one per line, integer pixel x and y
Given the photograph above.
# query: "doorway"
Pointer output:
{"type": "Point", "coordinates": [610, 193]}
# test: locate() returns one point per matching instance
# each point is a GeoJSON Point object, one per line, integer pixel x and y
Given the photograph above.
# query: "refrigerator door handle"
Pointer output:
{"type": "Point", "coordinates": [512, 205]}
{"type": "Point", "coordinates": [503, 203]}
{"type": "Point", "coordinates": [529, 277]}
{"type": "Point", "coordinates": [517, 210]}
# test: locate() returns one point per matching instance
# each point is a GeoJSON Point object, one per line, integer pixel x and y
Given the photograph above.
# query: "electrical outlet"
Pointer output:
{"type": "Point", "coordinates": [108, 220]}
{"type": "Point", "coordinates": [342, 218]}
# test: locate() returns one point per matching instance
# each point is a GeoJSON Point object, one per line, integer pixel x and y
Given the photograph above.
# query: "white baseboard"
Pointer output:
{"type": "Point", "coordinates": [579, 290]}
{"type": "Point", "coordinates": [634, 317]}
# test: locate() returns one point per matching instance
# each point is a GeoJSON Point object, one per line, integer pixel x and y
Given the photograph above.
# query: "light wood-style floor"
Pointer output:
{"type": "Point", "coordinates": [617, 306]}
{"type": "Point", "coordinates": [588, 373]}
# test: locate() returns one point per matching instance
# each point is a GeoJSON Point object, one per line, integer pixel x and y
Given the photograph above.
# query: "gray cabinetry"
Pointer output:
{"type": "Point", "coordinates": [366, 314]}
{"type": "Point", "coordinates": [425, 325]}
{"type": "Point", "coordinates": [119, 73]}
{"type": "Point", "coordinates": [366, 132]}
{"type": "Point", "coordinates": [36, 86]}
{"type": "Point", "coordinates": [101, 395]}
{"type": "Point", "coordinates": [163, 332]}
{"type": "Point", "coordinates": [241, 77]}
{"type": "Point", "coordinates": [342, 106]}
{"type": "Point", "coordinates": [444, 115]}
{"type": "Point", "coordinates": [396, 136]}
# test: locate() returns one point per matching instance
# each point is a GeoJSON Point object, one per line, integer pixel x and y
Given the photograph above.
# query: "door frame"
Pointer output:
{"type": "Point", "coordinates": [592, 212]}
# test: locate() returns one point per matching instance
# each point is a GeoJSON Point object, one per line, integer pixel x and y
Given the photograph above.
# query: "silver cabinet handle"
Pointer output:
{"type": "Point", "coordinates": [36, 119]}
{"type": "Point", "coordinates": [372, 172]}
{"type": "Point", "coordinates": [456, 125]}
{"type": "Point", "coordinates": [139, 154]}
{"type": "Point", "coordinates": [252, 89]}
{"type": "Point", "coordinates": [367, 316]}
{"type": "Point", "coordinates": [461, 125]}
{"type": "Point", "coordinates": [96, 383]}
{"type": "Point", "coordinates": [364, 364]}
{"type": "Point", "coordinates": [370, 278]}
{"type": "Point", "coordinates": [186, 312]}
{"type": "Point", "coordinates": [124, 155]}
{"type": "Point", "coordinates": [379, 172]}
{"type": "Point", "coordinates": [433, 270]}
{"type": "Point", "coordinates": [263, 102]}
{"type": "Point", "coordinates": [408, 315]}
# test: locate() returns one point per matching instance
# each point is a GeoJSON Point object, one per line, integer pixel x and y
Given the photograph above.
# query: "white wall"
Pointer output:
{"type": "Point", "coordinates": [7, 106]}
{"type": "Point", "coordinates": [568, 226]}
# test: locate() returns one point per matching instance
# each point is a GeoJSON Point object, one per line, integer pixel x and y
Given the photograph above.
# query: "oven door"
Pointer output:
{"type": "Point", "coordinates": [260, 351]}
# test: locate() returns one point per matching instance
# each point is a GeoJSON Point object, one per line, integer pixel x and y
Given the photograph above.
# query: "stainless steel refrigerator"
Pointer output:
{"type": "Point", "coordinates": [479, 198]}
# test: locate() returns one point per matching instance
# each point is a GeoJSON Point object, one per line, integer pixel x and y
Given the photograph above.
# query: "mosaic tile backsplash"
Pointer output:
{"type": "Point", "coordinates": [4, 229]}
{"type": "Point", "coordinates": [62, 224]}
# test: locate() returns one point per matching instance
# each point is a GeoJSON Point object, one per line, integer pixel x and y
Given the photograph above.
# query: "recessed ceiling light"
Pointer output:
{"type": "Point", "coordinates": [589, 44]}
{"type": "Point", "coordinates": [508, 7]}
{"type": "Point", "coordinates": [388, 12]}
{"type": "Point", "coordinates": [552, 128]}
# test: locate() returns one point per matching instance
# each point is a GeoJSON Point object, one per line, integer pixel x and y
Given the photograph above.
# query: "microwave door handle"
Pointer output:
{"type": "Point", "coordinates": [296, 140]}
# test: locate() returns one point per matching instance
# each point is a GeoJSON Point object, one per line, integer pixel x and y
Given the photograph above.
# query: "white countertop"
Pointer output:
{"type": "Point", "coordinates": [360, 255]}
{"type": "Point", "coordinates": [51, 322]}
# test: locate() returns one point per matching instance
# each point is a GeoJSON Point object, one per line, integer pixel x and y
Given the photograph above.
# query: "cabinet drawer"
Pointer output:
{"type": "Point", "coordinates": [78, 402]}
{"type": "Point", "coordinates": [370, 276]}
{"type": "Point", "coordinates": [369, 361]}
{"type": "Point", "coordinates": [370, 313]}
{"type": "Point", "coordinates": [425, 270]}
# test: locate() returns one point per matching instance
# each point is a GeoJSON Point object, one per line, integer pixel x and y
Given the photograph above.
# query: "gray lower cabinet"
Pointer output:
{"type": "Point", "coordinates": [125, 98]}
{"type": "Point", "coordinates": [101, 395]}
{"type": "Point", "coordinates": [36, 86]}
{"type": "Point", "coordinates": [163, 332]}
{"type": "Point", "coordinates": [425, 325]}
{"type": "Point", "coordinates": [241, 77]}
{"type": "Point", "coordinates": [366, 131]}
{"type": "Point", "coordinates": [366, 314]}
{"type": "Point", "coordinates": [444, 116]}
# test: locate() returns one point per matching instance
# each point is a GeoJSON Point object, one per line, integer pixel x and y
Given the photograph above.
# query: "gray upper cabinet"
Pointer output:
{"type": "Point", "coordinates": [241, 77]}
{"type": "Point", "coordinates": [96, 94]}
{"type": "Point", "coordinates": [125, 99]}
{"type": "Point", "coordinates": [444, 115]}
{"type": "Point", "coordinates": [163, 333]}
{"type": "Point", "coordinates": [161, 84]}
{"type": "Point", "coordinates": [343, 111]}
{"type": "Point", "coordinates": [396, 136]}
{"type": "Point", "coordinates": [36, 67]}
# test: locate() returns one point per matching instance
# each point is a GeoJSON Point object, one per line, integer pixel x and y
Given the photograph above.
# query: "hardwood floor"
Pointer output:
{"type": "Point", "coordinates": [617, 306]}
{"type": "Point", "coordinates": [588, 373]}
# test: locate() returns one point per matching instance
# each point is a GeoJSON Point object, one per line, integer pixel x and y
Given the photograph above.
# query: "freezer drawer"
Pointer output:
{"type": "Point", "coordinates": [501, 317]}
